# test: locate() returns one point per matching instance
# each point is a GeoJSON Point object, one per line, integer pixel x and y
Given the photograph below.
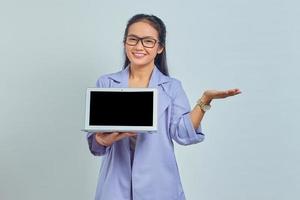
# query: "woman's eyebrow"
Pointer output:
{"type": "Point", "coordinates": [141, 37]}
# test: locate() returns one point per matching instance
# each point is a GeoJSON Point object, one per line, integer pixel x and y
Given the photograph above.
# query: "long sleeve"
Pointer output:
{"type": "Point", "coordinates": [95, 148]}
{"type": "Point", "coordinates": [181, 127]}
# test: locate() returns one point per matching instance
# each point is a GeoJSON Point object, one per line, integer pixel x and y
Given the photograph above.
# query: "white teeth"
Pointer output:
{"type": "Point", "coordinates": [139, 54]}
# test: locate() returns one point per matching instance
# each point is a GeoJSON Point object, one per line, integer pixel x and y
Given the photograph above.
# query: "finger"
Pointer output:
{"type": "Point", "coordinates": [121, 136]}
{"type": "Point", "coordinates": [238, 91]}
{"type": "Point", "coordinates": [125, 134]}
{"type": "Point", "coordinates": [101, 139]}
{"type": "Point", "coordinates": [230, 92]}
{"type": "Point", "coordinates": [234, 91]}
{"type": "Point", "coordinates": [222, 94]}
{"type": "Point", "coordinates": [114, 135]}
{"type": "Point", "coordinates": [130, 134]}
{"type": "Point", "coordinates": [103, 133]}
{"type": "Point", "coordinates": [99, 133]}
{"type": "Point", "coordinates": [108, 135]}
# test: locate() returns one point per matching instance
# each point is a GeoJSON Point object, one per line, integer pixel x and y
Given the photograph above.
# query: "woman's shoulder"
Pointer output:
{"type": "Point", "coordinates": [172, 87]}
{"type": "Point", "coordinates": [104, 79]}
{"type": "Point", "coordinates": [172, 82]}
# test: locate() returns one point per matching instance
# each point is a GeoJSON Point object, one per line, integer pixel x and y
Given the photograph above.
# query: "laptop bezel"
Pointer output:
{"type": "Point", "coordinates": [102, 128]}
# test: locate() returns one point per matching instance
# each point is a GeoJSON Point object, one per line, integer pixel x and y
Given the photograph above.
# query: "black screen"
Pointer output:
{"type": "Point", "coordinates": [121, 108]}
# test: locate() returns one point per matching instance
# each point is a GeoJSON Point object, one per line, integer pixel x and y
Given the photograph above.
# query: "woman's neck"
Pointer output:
{"type": "Point", "coordinates": [140, 73]}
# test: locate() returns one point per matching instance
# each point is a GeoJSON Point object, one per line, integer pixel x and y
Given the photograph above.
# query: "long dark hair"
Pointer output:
{"type": "Point", "coordinates": [161, 59]}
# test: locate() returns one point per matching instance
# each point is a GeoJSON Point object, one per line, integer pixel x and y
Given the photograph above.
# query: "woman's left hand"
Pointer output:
{"type": "Point", "coordinates": [209, 95]}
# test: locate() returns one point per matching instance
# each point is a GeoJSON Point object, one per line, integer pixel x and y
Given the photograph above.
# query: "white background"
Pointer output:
{"type": "Point", "coordinates": [51, 51]}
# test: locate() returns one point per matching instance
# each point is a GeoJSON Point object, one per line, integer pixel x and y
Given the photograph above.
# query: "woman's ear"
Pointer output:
{"type": "Point", "coordinates": [160, 49]}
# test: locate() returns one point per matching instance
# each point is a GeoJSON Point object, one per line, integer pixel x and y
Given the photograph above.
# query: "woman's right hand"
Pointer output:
{"type": "Point", "coordinates": [107, 139]}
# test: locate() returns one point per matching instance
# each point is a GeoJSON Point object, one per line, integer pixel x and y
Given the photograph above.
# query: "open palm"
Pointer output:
{"type": "Point", "coordinates": [218, 94]}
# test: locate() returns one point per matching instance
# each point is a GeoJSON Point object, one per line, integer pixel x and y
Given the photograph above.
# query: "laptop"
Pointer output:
{"type": "Point", "coordinates": [121, 110]}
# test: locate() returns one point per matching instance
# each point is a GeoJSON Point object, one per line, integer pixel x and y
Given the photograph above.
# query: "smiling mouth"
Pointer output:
{"type": "Point", "coordinates": [138, 55]}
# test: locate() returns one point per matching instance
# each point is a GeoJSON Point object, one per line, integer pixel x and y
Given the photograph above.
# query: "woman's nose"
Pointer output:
{"type": "Point", "coordinates": [139, 45]}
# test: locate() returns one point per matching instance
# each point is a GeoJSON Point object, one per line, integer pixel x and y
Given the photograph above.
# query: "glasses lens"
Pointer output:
{"type": "Point", "coordinates": [148, 42]}
{"type": "Point", "coordinates": [132, 40]}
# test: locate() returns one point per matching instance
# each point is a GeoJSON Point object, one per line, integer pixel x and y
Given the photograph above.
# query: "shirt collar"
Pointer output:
{"type": "Point", "coordinates": [157, 78]}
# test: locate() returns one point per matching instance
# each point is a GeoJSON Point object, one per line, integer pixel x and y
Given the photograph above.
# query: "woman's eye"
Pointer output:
{"type": "Point", "coordinates": [149, 41]}
{"type": "Point", "coordinates": [132, 39]}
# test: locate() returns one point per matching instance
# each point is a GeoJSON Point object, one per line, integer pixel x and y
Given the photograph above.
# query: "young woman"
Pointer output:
{"type": "Point", "coordinates": [142, 166]}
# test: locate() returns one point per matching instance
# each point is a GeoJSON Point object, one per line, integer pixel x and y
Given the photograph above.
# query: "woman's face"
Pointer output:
{"type": "Point", "coordinates": [138, 54]}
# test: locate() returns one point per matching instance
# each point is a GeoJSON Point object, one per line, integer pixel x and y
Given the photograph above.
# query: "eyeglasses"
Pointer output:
{"type": "Point", "coordinates": [147, 42]}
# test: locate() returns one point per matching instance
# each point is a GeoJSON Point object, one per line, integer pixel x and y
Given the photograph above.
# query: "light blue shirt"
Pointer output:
{"type": "Point", "coordinates": [154, 173]}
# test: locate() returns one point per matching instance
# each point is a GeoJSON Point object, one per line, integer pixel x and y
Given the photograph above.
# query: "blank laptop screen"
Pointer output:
{"type": "Point", "coordinates": [109, 108]}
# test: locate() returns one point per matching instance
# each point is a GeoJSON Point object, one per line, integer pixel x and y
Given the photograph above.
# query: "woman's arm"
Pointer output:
{"type": "Point", "coordinates": [197, 113]}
